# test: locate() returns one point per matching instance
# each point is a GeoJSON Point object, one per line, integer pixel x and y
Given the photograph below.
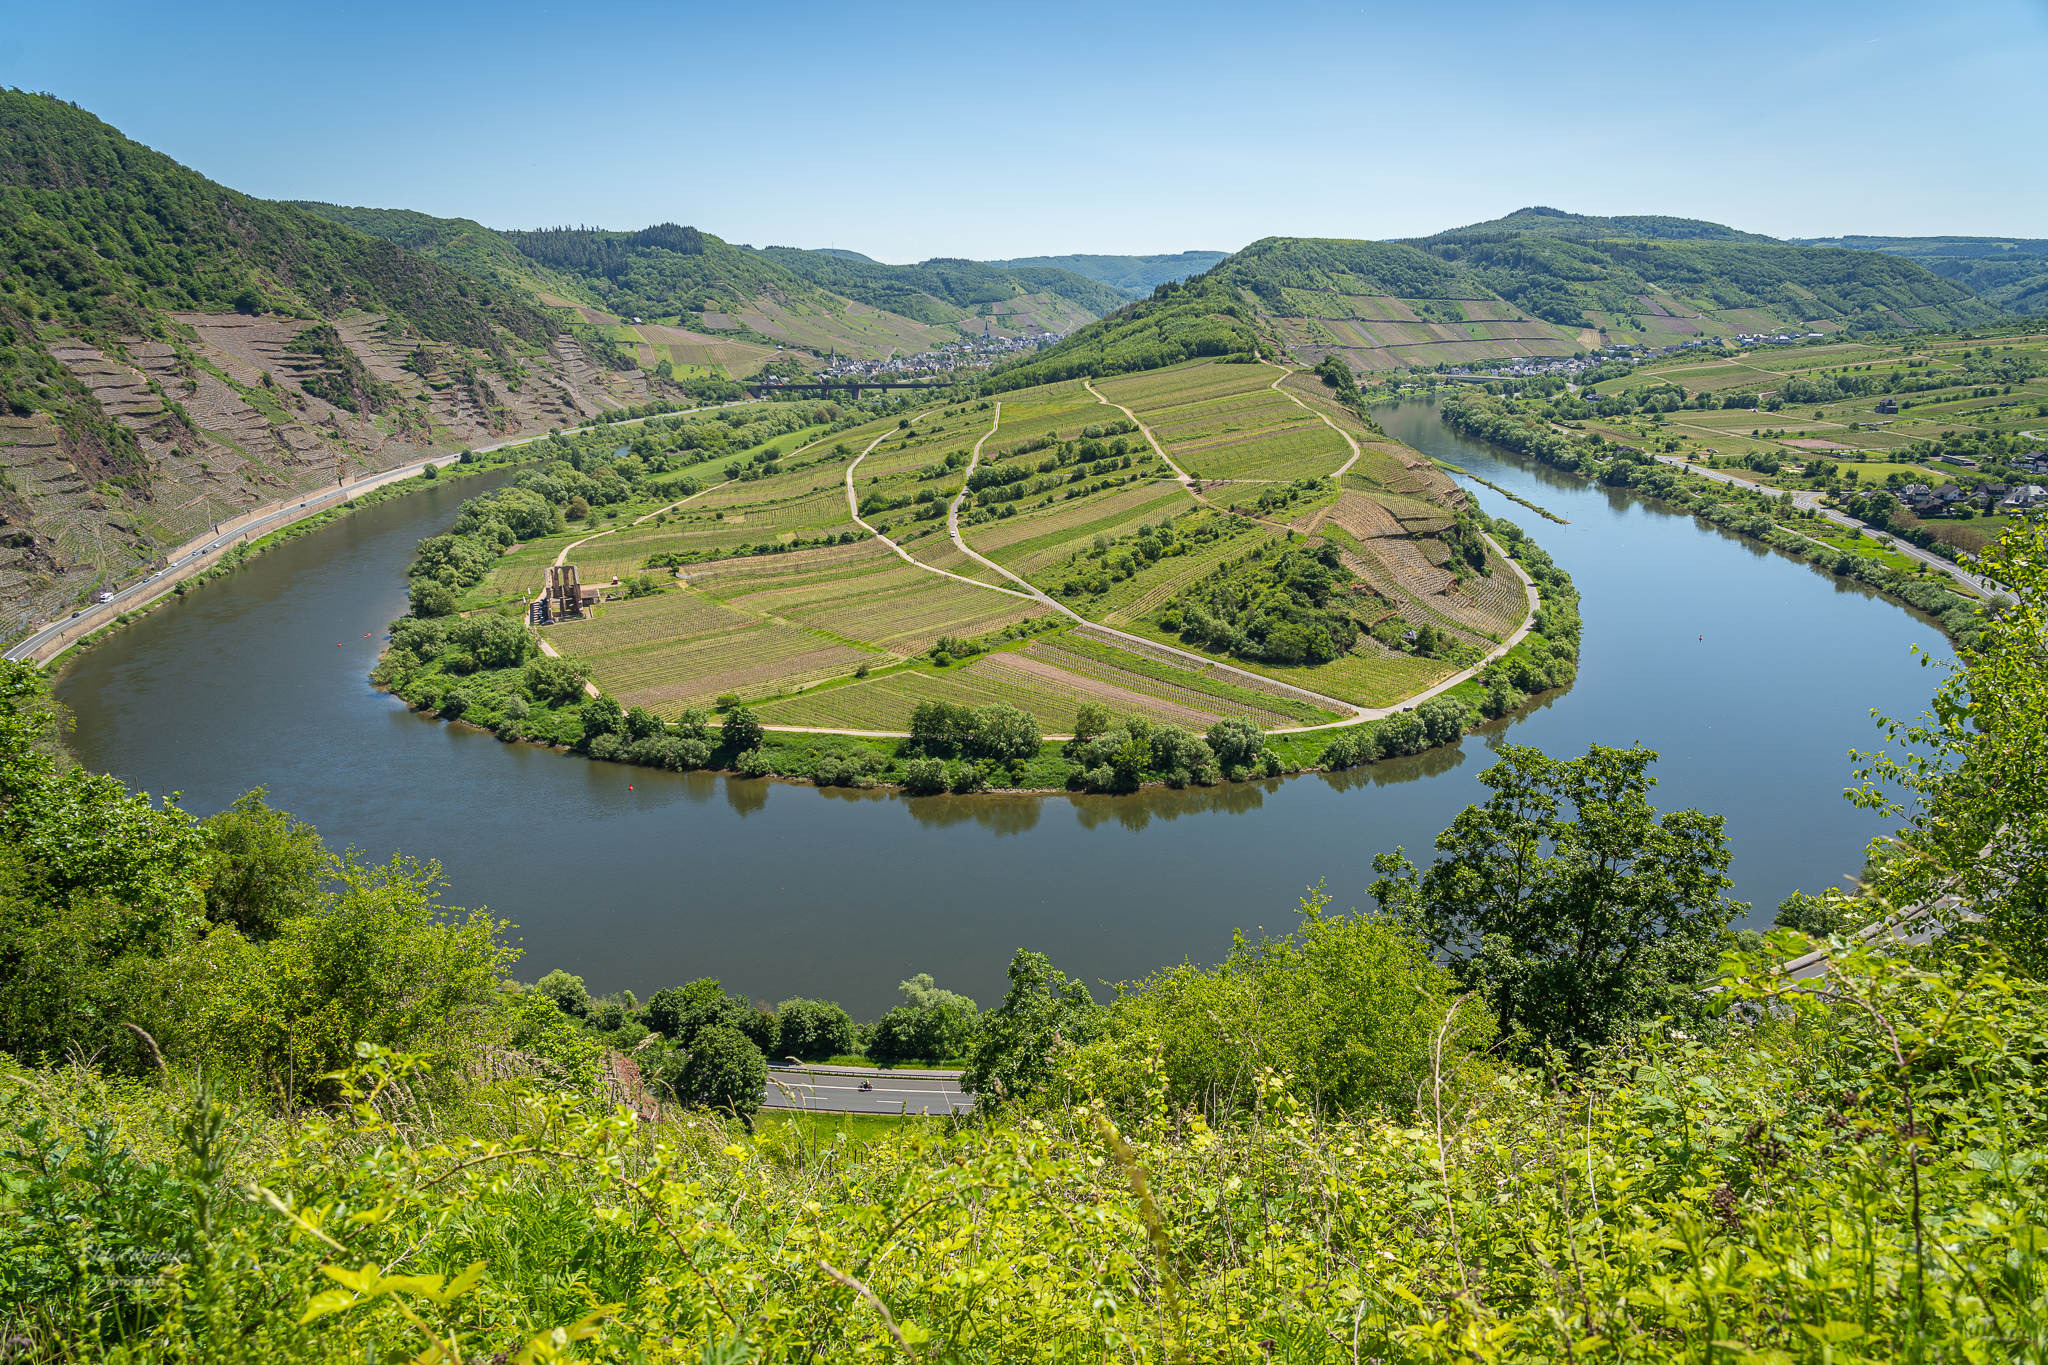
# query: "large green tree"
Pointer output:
{"type": "Point", "coordinates": [1019, 1043]}
{"type": "Point", "coordinates": [1568, 899]}
{"type": "Point", "coordinates": [1971, 792]}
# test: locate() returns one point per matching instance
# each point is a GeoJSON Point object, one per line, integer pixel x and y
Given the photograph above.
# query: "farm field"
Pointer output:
{"type": "Point", "coordinates": [1363, 679]}
{"type": "Point", "coordinates": [1049, 677]}
{"type": "Point", "coordinates": [783, 596]}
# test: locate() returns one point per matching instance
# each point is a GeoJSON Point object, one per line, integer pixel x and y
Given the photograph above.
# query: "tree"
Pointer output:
{"type": "Point", "coordinates": [1618, 920]}
{"type": "Point", "coordinates": [939, 729]}
{"type": "Point", "coordinates": [925, 776]}
{"type": "Point", "coordinates": [568, 992]}
{"type": "Point", "coordinates": [930, 1025]}
{"type": "Point", "coordinates": [1236, 742]}
{"type": "Point", "coordinates": [556, 680]}
{"type": "Point", "coordinates": [725, 1072]}
{"type": "Point", "coordinates": [431, 597]}
{"type": "Point", "coordinates": [642, 723]}
{"type": "Point", "coordinates": [742, 730]}
{"type": "Point", "coordinates": [602, 716]}
{"type": "Point", "coordinates": [1004, 733]}
{"type": "Point", "coordinates": [1972, 800]}
{"type": "Point", "coordinates": [1091, 718]}
{"type": "Point", "coordinates": [679, 1013]}
{"type": "Point", "coordinates": [267, 867]}
{"type": "Point", "coordinates": [814, 1029]}
{"type": "Point", "coordinates": [1020, 1042]}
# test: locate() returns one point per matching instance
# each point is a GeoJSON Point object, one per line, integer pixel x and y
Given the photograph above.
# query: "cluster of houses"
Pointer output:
{"type": "Point", "coordinates": [968, 354]}
{"type": "Point", "coordinates": [1923, 501]}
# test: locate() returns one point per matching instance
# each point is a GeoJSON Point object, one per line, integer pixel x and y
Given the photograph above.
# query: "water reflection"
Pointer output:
{"type": "Point", "coordinates": [1000, 815]}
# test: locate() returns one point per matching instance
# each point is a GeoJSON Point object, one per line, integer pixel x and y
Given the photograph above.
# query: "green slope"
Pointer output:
{"type": "Point", "coordinates": [461, 242]}
{"type": "Point", "coordinates": [939, 290]}
{"type": "Point", "coordinates": [1134, 275]}
{"type": "Point", "coordinates": [100, 236]}
{"type": "Point", "coordinates": [1182, 320]}
{"type": "Point", "coordinates": [2011, 272]}
{"type": "Point", "coordinates": [1559, 266]}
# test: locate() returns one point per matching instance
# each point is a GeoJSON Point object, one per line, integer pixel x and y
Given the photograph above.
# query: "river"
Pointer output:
{"type": "Point", "coordinates": [1752, 674]}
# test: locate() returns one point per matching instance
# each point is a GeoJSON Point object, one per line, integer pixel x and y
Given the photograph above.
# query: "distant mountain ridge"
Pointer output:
{"type": "Point", "coordinates": [2011, 272]}
{"type": "Point", "coordinates": [1134, 275]}
{"type": "Point", "coordinates": [1537, 282]}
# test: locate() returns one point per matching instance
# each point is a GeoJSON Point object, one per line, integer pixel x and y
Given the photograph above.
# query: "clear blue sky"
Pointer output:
{"type": "Point", "coordinates": [910, 130]}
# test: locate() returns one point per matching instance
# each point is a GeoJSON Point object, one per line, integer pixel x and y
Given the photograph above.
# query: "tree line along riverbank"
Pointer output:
{"type": "Point", "coordinates": [486, 669]}
{"type": "Point", "coordinates": [1774, 521]}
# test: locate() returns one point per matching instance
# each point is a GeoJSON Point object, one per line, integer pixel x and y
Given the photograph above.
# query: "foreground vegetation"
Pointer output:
{"type": "Point", "coordinates": [263, 1104]}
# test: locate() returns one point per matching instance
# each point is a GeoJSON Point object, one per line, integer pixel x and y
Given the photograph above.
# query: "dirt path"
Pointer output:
{"type": "Point", "coordinates": [853, 509]}
{"type": "Point", "coordinates": [1356, 451]}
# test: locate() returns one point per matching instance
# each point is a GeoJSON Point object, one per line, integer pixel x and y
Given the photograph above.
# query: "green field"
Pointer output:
{"type": "Point", "coordinates": [764, 584]}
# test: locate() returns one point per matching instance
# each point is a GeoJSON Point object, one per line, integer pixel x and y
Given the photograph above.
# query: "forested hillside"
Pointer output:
{"type": "Point", "coordinates": [1534, 284]}
{"type": "Point", "coordinates": [173, 351]}
{"type": "Point", "coordinates": [952, 284]}
{"type": "Point", "coordinates": [2011, 272]}
{"type": "Point", "coordinates": [1136, 276]}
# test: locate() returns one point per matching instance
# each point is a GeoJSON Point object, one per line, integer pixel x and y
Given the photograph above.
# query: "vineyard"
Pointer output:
{"type": "Point", "coordinates": [773, 602]}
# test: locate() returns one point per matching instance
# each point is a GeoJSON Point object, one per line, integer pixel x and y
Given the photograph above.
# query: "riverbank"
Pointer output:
{"type": "Point", "coordinates": [1752, 513]}
{"type": "Point", "coordinates": [487, 672]}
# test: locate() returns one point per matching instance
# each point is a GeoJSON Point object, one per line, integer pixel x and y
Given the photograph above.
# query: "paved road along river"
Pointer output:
{"type": "Point", "coordinates": [1752, 673]}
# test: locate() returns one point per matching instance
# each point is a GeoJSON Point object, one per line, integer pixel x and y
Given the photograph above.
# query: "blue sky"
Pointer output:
{"type": "Point", "coordinates": [909, 131]}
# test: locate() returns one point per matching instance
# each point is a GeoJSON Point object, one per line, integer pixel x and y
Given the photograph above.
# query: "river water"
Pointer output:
{"type": "Point", "coordinates": [1750, 673]}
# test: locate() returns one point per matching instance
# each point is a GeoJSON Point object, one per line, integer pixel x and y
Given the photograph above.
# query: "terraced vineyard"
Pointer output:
{"type": "Point", "coordinates": [814, 576]}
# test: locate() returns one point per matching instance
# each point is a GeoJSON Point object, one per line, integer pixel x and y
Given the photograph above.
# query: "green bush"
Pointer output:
{"type": "Point", "coordinates": [813, 1030]}
{"type": "Point", "coordinates": [725, 1072]}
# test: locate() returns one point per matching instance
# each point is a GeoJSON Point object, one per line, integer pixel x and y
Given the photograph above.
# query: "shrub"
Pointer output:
{"type": "Point", "coordinates": [813, 1029]}
{"type": "Point", "coordinates": [1344, 1007]}
{"type": "Point", "coordinates": [726, 1072]}
{"type": "Point", "coordinates": [925, 776]}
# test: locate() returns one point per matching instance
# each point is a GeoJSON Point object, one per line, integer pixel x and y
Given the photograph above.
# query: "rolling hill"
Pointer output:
{"type": "Point", "coordinates": [2011, 272]}
{"type": "Point", "coordinates": [1533, 284]}
{"type": "Point", "coordinates": [681, 280]}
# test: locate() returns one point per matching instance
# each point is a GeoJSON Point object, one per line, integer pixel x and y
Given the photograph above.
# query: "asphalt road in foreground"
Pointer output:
{"type": "Point", "coordinates": [837, 1090]}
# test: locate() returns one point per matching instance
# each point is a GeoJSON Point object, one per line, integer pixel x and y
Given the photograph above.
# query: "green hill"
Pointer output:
{"type": "Point", "coordinates": [101, 236]}
{"type": "Point", "coordinates": [1547, 222]}
{"type": "Point", "coordinates": [1536, 283]}
{"type": "Point", "coordinates": [943, 289]}
{"type": "Point", "coordinates": [1134, 275]}
{"type": "Point", "coordinates": [2011, 272]}
{"type": "Point", "coordinates": [460, 242]}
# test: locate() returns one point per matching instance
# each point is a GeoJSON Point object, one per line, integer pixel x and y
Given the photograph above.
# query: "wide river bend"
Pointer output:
{"type": "Point", "coordinates": [1751, 673]}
